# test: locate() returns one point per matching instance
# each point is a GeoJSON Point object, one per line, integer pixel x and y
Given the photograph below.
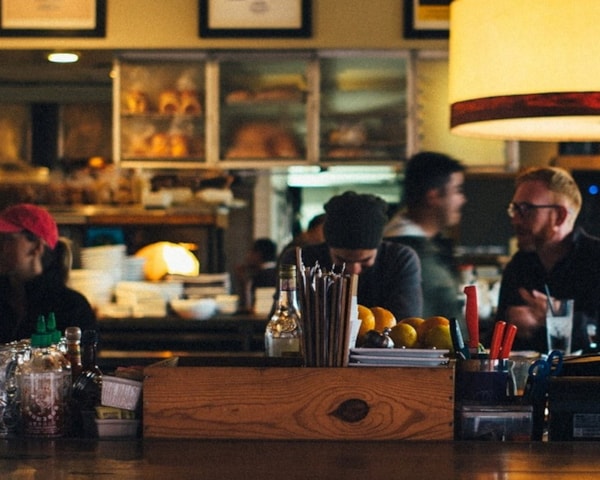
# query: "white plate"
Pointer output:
{"type": "Point", "coordinates": [396, 362]}
{"type": "Point", "coordinates": [400, 352]}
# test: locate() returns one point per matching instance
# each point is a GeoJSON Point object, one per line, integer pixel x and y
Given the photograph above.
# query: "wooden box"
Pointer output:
{"type": "Point", "coordinates": [377, 403]}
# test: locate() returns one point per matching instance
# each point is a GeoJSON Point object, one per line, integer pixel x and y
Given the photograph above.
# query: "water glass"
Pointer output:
{"type": "Point", "coordinates": [559, 325]}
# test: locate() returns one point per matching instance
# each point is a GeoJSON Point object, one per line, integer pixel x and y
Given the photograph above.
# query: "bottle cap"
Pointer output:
{"type": "Point", "coordinates": [51, 329]}
{"type": "Point", "coordinates": [40, 338]}
{"type": "Point", "coordinates": [73, 333]}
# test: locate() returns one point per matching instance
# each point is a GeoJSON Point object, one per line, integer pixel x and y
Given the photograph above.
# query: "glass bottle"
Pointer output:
{"type": "Point", "coordinates": [283, 334]}
{"type": "Point", "coordinates": [87, 387]}
{"type": "Point", "coordinates": [73, 353]}
{"type": "Point", "coordinates": [44, 380]}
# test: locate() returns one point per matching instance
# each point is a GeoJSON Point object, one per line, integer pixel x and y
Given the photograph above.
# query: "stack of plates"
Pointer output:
{"type": "Point", "coordinates": [133, 269]}
{"type": "Point", "coordinates": [108, 258]}
{"type": "Point", "coordinates": [95, 285]}
{"type": "Point", "coordinates": [397, 357]}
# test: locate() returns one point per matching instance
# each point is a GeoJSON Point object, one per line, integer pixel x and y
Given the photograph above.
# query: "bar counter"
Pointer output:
{"type": "Point", "coordinates": [199, 459]}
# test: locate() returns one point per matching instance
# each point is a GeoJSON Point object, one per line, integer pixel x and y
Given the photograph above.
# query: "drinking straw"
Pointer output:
{"type": "Point", "coordinates": [549, 300]}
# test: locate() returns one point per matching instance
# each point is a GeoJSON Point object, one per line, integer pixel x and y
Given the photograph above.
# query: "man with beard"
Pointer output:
{"type": "Point", "coordinates": [431, 202]}
{"type": "Point", "coordinates": [554, 256]}
{"type": "Point", "coordinates": [389, 274]}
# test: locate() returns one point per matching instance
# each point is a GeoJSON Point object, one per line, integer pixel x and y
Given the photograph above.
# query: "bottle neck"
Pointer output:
{"type": "Point", "coordinates": [288, 297]}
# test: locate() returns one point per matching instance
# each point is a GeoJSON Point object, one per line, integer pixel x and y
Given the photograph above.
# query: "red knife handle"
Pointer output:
{"type": "Point", "coordinates": [472, 315]}
{"type": "Point", "coordinates": [509, 338]}
{"type": "Point", "coordinates": [497, 337]}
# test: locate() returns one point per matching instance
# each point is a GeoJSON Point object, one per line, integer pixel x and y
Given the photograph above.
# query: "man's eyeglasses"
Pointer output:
{"type": "Point", "coordinates": [525, 208]}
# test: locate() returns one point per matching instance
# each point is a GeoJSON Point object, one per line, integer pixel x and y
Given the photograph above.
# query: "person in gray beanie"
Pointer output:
{"type": "Point", "coordinates": [389, 273]}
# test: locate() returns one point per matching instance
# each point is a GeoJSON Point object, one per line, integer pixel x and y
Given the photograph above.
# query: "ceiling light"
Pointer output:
{"type": "Point", "coordinates": [525, 70]}
{"type": "Point", "coordinates": [63, 57]}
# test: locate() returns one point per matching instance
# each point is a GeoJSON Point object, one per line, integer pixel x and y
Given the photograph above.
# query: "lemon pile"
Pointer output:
{"type": "Point", "coordinates": [411, 332]}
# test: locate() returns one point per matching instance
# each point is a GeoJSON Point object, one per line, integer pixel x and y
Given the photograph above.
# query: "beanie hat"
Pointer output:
{"type": "Point", "coordinates": [355, 221]}
{"type": "Point", "coordinates": [32, 218]}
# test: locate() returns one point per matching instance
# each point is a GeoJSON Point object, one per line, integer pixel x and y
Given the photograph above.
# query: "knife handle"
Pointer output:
{"type": "Point", "coordinates": [472, 315]}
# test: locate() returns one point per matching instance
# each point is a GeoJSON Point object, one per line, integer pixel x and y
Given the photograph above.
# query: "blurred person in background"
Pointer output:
{"type": "Point", "coordinates": [258, 270]}
{"type": "Point", "coordinates": [34, 269]}
{"type": "Point", "coordinates": [554, 255]}
{"type": "Point", "coordinates": [431, 203]}
{"type": "Point", "coordinates": [313, 233]}
{"type": "Point", "coordinates": [389, 274]}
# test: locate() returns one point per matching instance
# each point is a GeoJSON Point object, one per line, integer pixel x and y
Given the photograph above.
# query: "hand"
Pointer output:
{"type": "Point", "coordinates": [530, 317]}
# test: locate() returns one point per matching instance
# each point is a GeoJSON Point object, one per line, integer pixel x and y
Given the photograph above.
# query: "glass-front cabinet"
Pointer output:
{"type": "Point", "coordinates": [161, 111]}
{"type": "Point", "coordinates": [363, 107]}
{"type": "Point", "coordinates": [261, 109]}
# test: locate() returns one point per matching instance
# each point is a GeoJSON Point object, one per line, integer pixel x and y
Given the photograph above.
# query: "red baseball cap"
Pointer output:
{"type": "Point", "coordinates": [32, 218]}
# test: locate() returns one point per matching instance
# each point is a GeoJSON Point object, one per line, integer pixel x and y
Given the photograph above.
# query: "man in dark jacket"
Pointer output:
{"type": "Point", "coordinates": [389, 274]}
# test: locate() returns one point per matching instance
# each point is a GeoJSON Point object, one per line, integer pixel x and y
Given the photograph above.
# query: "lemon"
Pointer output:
{"type": "Point", "coordinates": [438, 337]}
{"type": "Point", "coordinates": [428, 324]}
{"type": "Point", "coordinates": [383, 318]}
{"type": "Point", "coordinates": [413, 321]}
{"type": "Point", "coordinates": [404, 335]}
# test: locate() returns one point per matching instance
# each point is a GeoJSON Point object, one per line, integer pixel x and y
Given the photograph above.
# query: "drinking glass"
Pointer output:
{"type": "Point", "coordinates": [559, 325]}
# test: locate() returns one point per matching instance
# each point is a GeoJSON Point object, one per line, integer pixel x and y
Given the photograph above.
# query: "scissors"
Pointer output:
{"type": "Point", "coordinates": [551, 366]}
{"type": "Point", "coordinates": [539, 372]}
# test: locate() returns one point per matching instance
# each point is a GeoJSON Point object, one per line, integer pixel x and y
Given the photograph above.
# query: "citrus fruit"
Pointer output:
{"type": "Point", "coordinates": [383, 318]}
{"type": "Point", "coordinates": [413, 321]}
{"type": "Point", "coordinates": [438, 337]}
{"type": "Point", "coordinates": [403, 335]}
{"type": "Point", "coordinates": [368, 320]}
{"type": "Point", "coordinates": [428, 324]}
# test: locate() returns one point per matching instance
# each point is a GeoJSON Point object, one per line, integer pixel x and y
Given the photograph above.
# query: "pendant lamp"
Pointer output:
{"type": "Point", "coordinates": [525, 69]}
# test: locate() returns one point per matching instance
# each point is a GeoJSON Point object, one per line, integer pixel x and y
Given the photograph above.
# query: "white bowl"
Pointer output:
{"type": "Point", "coordinates": [194, 308]}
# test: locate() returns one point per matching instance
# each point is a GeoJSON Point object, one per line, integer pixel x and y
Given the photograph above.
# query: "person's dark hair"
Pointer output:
{"type": "Point", "coordinates": [57, 263]}
{"type": "Point", "coordinates": [426, 171]}
{"type": "Point", "coordinates": [266, 248]}
{"type": "Point", "coordinates": [355, 221]}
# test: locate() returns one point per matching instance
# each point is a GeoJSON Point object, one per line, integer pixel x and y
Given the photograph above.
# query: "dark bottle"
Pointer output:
{"type": "Point", "coordinates": [73, 352]}
{"type": "Point", "coordinates": [87, 388]}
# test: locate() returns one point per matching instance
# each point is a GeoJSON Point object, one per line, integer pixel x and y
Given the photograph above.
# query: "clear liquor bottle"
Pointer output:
{"type": "Point", "coordinates": [283, 335]}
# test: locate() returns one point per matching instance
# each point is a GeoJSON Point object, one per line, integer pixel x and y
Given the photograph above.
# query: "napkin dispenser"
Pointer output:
{"type": "Point", "coordinates": [573, 404]}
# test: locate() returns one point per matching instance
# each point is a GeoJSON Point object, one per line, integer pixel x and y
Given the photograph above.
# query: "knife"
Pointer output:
{"type": "Point", "coordinates": [472, 316]}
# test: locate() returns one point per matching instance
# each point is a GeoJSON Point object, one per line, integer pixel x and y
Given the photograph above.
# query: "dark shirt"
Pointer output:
{"type": "Point", "coordinates": [576, 276]}
{"type": "Point", "coordinates": [393, 282]}
{"type": "Point", "coordinates": [440, 280]}
{"type": "Point", "coordinates": [70, 307]}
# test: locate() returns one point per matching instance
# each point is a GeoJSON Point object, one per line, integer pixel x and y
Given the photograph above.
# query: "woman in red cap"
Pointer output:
{"type": "Point", "coordinates": [34, 266]}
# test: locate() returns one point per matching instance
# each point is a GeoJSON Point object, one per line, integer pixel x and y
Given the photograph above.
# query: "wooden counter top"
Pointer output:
{"type": "Point", "coordinates": [199, 459]}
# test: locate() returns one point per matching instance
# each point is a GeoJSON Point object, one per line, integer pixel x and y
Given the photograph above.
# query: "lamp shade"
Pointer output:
{"type": "Point", "coordinates": [525, 70]}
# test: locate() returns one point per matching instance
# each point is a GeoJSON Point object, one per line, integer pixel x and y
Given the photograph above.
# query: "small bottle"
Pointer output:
{"type": "Point", "coordinates": [283, 334]}
{"type": "Point", "coordinates": [43, 383]}
{"type": "Point", "coordinates": [87, 387]}
{"type": "Point", "coordinates": [73, 353]}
